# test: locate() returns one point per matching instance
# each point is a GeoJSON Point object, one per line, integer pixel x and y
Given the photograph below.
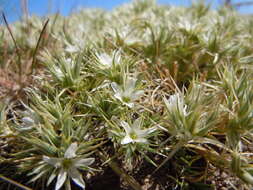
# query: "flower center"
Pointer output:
{"type": "Point", "coordinates": [126, 99]}
{"type": "Point", "coordinates": [66, 163]}
{"type": "Point", "coordinates": [133, 135]}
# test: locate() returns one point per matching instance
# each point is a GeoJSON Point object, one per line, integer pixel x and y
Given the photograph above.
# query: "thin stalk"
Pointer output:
{"type": "Point", "coordinates": [14, 182]}
{"type": "Point", "coordinates": [38, 43]}
{"type": "Point", "coordinates": [24, 7]}
{"type": "Point", "coordinates": [67, 184]}
{"type": "Point", "coordinates": [178, 146]}
{"type": "Point", "coordinates": [16, 47]}
{"type": "Point", "coordinates": [127, 178]}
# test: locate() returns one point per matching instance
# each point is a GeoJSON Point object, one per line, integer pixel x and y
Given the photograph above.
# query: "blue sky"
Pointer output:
{"type": "Point", "coordinates": [12, 8]}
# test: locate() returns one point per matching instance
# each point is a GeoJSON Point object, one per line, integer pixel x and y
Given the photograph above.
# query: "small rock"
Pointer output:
{"type": "Point", "coordinates": [224, 175]}
{"type": "Point", "coordinates": [216, 173]}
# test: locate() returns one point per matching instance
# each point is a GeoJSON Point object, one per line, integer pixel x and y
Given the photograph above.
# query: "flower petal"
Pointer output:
{"type": "Point", "coordinates": [137, 94]}
{"type": "Point", "coordinates": [137, 123]}
{"type": "Point", "coordinates": [130, 105]}
{"type": "Point", "coordinates": [141, 140]}
{"type": "Point", "coordinates": [118, 96]}
{"type": "Point", "coordinates": [72, 49]}
{"type": "Point", "coordinates": [61, 179]}
{"type": "Point", "coordinates": [126, 127]}
{"type": "Point", "coordinates": [130, 84]}
{"type": "Point", "coordinates": [56, 162]}
{"type": "Point", "coordinates": [28, 121]}
{"type": "Point", "coordinates": [71, 151]}
{"type": "Point", "coordinates": [105, 59]}
{"type": "Point", "coordinates": [126, 140]}
{"type": "Point", "coordinates": [116, 88]}
{"type": "Point", "coordinates": [146, 132]}
{"type": "Point", "coordinates": [76, 177]}
{"type": "Point", "coordinates": [51, 178]}
{"type": "Point", "coordinates": [83, 161]}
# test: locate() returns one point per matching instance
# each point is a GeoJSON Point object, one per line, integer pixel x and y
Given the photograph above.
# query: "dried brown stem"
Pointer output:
{"type": "Point", "coordinates": [38, 43]}
{"type": "Point", "coordinates": [14, 183]}
{"type": "Point", "coordinates": [16, 46]}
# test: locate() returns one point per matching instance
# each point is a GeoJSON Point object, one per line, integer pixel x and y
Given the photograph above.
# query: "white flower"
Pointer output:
{"type": "Point", "coordinates": [29, 119]}
{"type": "Point", "coordinates": [126, 34]}
{"type": "Point", "coordinates": [27, 123]}
{"type": "Point", "coordinates": [188, 25]}
{"type": "Point", "coordinates": [134, 133]}
{"type": "Point", "coordinates": [127, 93]}
{"type": "Point", "coordinates": [176, 103]}
{"type": "Point", "coordinates": [68, 167]}
{"type": "Point", "coordinates": [72, 48]}
{"type": "Point", "coordinates": [106, 61]}
{"type": "Point", "coordinates": [128, 37]}
{"type": "Point", "coordinates": [59, 70]}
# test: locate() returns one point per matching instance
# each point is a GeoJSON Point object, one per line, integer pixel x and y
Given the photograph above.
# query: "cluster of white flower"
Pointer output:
{"type": "Point", "coordinates": [106, 61]}
{"type": "Point", "coordinates": [127, 93]}
{"type": "Point", "coordinates": [68, 167]}
{"type": "Point", "coordinates": [175, 103]}
{"type": "Point", "coordinates": [134, 133]}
